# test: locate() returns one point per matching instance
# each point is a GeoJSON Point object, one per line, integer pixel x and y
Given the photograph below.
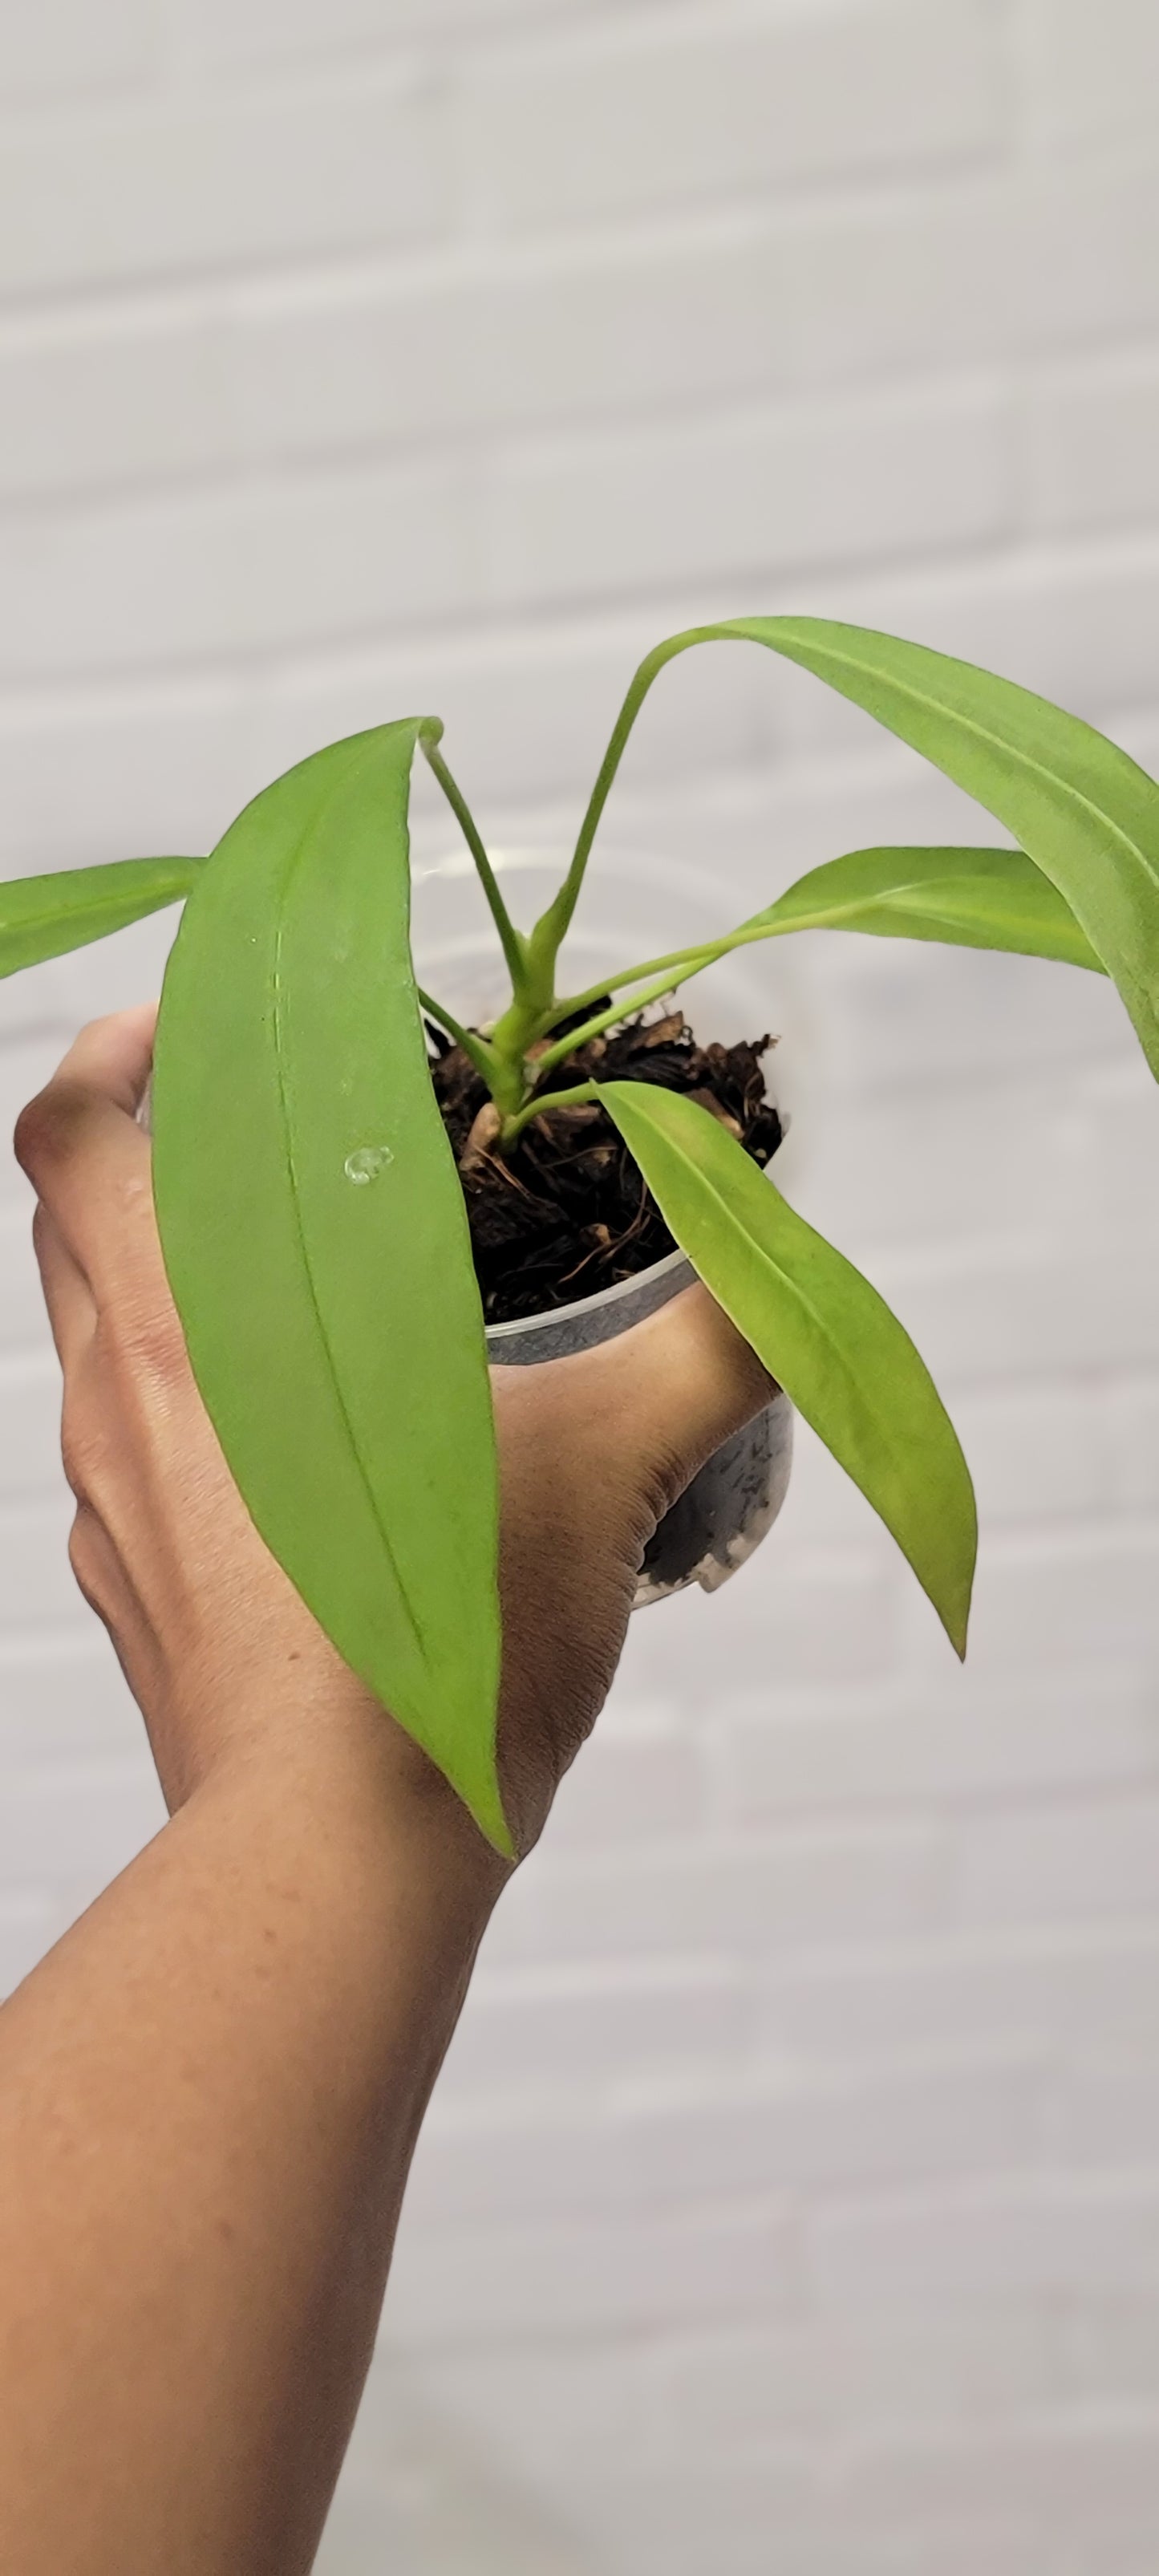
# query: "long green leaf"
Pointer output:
{"type": "Point", "coordinates": [316, 1239]}
{"type": "Point", "coordinates": [971, 898]}
{"type": "Point", "coordinates": [46, 916]}
{"type": "Point", "coordinates": [1084, 812]}
{"type": "Point", "coordinates": [821, 1330]}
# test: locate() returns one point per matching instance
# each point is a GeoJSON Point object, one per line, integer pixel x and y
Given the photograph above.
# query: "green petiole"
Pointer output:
{"type": "Point", "coordinates": [481, 1054]}
{"type": "Point", "coordinates": [513, 1126]}
{"type": "Point", "coordinates": [691, 961]}
{"type": "Point", "coordinates": [512, 940]}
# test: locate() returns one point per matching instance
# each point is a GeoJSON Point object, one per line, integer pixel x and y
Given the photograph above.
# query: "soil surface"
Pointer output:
{"type": "Point", "coordinates": [567, 1213]}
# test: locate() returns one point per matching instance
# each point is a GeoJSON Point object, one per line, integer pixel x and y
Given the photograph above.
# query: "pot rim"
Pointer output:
{"type": "Point", "coordinates": [568, 1322]}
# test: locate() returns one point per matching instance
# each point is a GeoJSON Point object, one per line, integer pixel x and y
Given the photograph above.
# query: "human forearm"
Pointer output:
{"type": "Point", "coordinates": [210, 2091]}
{"type": "Point", "coordinates": [209, 2095]}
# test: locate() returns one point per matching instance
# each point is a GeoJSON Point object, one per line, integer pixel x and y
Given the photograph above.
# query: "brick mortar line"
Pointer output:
{"type": "Point", "coordinates": [656, 236]}
{"type": "Point", "coordinates": [609, 237]}
{"type": "Point", "coordinates": [979, 575]}
{"type": "Point", "coordinates": [488, 449]}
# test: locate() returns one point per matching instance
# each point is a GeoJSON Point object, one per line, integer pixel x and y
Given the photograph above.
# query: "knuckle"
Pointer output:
{"type": "Point", "coordinates": [72, 1460]}
{"type": "Point", "coordinates": [81, 1449]}
{"type": "Point", "coordinates": [84, 1558]}
{"type": "Point", "coordinates": [48, 1128]}
{"type": "Point", "coordinates": [34, 1134]}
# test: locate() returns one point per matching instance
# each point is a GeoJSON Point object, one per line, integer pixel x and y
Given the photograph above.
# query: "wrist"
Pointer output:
{"type": "Point", "coordinates": [285, 1709]}
{"type": "Point", "coordinates": [338, 1778]}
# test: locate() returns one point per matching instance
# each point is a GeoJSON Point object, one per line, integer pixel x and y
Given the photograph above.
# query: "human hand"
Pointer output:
{"type": "Point", "coordinates": [219, 1650]}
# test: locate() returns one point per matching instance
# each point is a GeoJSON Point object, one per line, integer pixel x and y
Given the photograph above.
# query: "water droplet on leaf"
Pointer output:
{"type": "Point", "coordinates": [365, 1164]}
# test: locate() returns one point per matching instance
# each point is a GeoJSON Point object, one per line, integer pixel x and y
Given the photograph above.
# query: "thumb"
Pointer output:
{"type": "Point", "coordinates": [679, 1384]}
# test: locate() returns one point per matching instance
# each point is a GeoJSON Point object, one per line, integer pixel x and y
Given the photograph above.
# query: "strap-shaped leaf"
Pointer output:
{"type": "Point", "coordinates": [1084, 812]}
{"type": "Point", "coordinates": [972, 898]}
{"type": "Point", "coordinates": [821, 1330]}
{"type": "Point", "coordinates": [316, 1238]}
{"type": "Point", "coordinates": [46, 916]}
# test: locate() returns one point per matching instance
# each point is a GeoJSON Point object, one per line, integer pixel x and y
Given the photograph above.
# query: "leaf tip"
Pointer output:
{"type": "Point", "coordinates": [954, 1612]}
{"type": "Point", "coordinates": [486, 1808]}
{"type": "Point", "coordinates": [468, 1763]}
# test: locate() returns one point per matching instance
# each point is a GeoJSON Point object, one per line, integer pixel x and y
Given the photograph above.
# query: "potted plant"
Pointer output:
{"type": "Point", "coordinates": [313, 1211]}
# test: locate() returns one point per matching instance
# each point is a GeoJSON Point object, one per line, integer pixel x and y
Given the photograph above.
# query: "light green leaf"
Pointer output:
{"type": "Point", "coordinates": [972, 898]}
{"type": "Point", "coordinates": [822, 1331]}
{"type": "Point", "coordinates": [316, 1239]}
{"type": "Point", "coordinates": [1085, 813]}
{"type": "Point", "coordinates": [46, 916]}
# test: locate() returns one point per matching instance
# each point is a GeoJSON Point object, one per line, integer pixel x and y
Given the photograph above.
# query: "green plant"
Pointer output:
{"type": "Point", "coordinates": [311, 1216]}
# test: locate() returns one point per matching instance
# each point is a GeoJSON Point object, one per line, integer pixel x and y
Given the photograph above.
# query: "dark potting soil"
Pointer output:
{"type": "Point", "coordinates": [567, 1212]}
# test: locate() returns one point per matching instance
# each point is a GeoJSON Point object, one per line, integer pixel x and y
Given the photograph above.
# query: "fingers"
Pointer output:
{"type": "Point", "coordinates": [114, 1056]}
{"type": "Point", "coordinates": [67, 1295]}
{"type": "Point", "coordinates": [701, 1381]}
{"type": "Point", "coordinates": [83, 1152]}
{"type": "Point", "coordinates": [692, 1351]}
{"type": "Point", "coordinates": [677, 1385]}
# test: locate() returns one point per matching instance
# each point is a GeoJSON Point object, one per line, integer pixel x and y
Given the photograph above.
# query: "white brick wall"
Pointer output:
{"type": "Point", "coordinates": [791, 2195]}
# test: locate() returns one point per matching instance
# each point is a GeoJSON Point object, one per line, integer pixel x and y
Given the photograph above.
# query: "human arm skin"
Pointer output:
{"type": "Point", "coordinates": [210, 2090]}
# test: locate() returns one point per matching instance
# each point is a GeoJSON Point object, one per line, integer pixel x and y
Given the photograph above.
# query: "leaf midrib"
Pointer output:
{"type": "Point", "coordinates": [94, 904]}
{"type": "Point", "coordinates": [291, 865]}
{"type": "Point", "coordinates": [971, 724]}
{"type": "Point", "coordinates": [888, 897]}
{"type": "Point", "coordinates": [798, 1293]}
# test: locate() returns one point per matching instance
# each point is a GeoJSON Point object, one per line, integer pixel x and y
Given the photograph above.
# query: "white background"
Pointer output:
{"type": "Point", "coordinates": [791, 2200]}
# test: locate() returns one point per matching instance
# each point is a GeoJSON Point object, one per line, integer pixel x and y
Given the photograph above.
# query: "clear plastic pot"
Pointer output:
{"type": "Point", "coordinates": [732, 1503]}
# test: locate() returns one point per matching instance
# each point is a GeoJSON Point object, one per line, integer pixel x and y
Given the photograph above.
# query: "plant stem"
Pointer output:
{"type": "Point", "coordinates": [513, 943]}
{"type": "Point", "coordinates": [704, 954]}
{"type": "Point", "coordinates": [482, 1055]}
{"type": "Point", "coordinates": [622, 1010]}
{"type": "Point", "coordinates": [513, 1126]}
{"type": "Point", "coordinates": [495, 1064]}
{"type": "Point", "coordinates": [557, 918]}
{"type": "Point", "coordinates": [560, 912]}
{"type": "Point", "coordinates": [688, 959]}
